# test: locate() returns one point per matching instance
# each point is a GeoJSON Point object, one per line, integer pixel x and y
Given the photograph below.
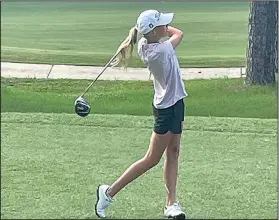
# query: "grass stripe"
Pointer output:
{"type": "Point", "coordinates": [215, 124]}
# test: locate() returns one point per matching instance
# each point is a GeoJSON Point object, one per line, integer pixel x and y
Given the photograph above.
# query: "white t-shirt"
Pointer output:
{"type": "Point", "coordinates": [163, 64]}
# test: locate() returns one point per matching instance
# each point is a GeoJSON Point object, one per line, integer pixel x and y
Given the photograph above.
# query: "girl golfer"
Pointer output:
{"type": "Point", "coordinates": [168, 107]}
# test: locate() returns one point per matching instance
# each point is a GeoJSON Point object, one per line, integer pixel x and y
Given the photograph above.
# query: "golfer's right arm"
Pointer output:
{"type": "Point", "coordinates": [175, 35]}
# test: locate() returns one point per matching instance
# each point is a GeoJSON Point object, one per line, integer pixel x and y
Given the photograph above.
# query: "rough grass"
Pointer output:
{"type": "Point", "coordinates": [217, 97]}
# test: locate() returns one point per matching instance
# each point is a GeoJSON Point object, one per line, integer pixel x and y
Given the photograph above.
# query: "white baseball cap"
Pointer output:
{"type": "Point", "coordinates": [150, 19]}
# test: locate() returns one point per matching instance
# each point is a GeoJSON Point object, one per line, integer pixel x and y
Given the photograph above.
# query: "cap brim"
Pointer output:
{"type": "Point", "coordinates": [166, 18]}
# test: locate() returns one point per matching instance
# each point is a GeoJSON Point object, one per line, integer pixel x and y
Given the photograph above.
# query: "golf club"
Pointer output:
{"type": "Point", "coordinates": [82, 107]}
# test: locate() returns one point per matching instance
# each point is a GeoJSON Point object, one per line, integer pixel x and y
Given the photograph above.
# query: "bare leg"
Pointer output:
{"type": "Point", "coordinates": [158, 144]}
{"type": "Point", "coordinates": [171, 168]}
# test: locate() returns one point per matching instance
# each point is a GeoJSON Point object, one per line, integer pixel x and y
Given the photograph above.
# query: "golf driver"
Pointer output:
{"type": "Point", "coordinates": [82, 107]}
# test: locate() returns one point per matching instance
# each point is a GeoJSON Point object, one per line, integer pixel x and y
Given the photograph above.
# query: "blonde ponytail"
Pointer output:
{"type": "Point", "coordinates": [125, 50]}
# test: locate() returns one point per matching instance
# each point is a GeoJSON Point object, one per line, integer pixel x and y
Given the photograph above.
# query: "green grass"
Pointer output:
{"type": "Point", "coordinates": [52, 163]}
{"type": "Point", "coordinates": [218, 97]}
{"type": "Point", "coordinates": [88, 33]}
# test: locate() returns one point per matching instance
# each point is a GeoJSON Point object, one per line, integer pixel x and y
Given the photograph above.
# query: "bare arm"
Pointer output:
{"type": "Point", "coordinates": [175, 35]}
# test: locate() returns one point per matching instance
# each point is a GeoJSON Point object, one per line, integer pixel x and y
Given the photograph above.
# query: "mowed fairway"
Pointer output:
{"type": "Point", "coordinates": [52, 164]}
{"type": "Point", "coordinates": [89, 33]}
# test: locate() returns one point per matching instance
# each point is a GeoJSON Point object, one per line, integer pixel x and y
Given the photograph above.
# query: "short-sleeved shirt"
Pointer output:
{"type": "Point", "coordinates": [163, 64]}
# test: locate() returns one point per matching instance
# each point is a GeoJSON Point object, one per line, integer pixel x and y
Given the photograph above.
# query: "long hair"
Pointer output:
{"type": "Point", "coordinates": [125, 49]}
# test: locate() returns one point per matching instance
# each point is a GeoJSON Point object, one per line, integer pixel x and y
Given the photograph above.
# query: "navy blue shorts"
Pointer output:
{"type": "Point", "coordinates": [169, 119]}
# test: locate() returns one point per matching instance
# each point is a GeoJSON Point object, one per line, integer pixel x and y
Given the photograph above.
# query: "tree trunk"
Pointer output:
{"type": "Point", "coordinates": [262, 43]}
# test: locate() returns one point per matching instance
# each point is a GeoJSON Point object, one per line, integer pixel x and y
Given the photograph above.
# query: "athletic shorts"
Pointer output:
{"type": "Point", "coordinates": [169, 119]}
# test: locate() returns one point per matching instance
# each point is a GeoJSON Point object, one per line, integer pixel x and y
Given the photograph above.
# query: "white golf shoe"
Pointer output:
{"type": "Point", "coordinates": [174, 211]}
{"type": "Point", "coordinates": [103, 201]}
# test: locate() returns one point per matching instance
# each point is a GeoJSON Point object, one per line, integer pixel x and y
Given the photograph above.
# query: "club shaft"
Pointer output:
{"type": "Point", "coordinates": [106, 66]}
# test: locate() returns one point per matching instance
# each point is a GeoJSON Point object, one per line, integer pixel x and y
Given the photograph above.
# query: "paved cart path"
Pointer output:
{"type": "Point", "coordinates": [24, 70]}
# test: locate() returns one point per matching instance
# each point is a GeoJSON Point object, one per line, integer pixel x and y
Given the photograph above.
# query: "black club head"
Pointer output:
{"type": "Point", "coordinates": [82, 107]}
